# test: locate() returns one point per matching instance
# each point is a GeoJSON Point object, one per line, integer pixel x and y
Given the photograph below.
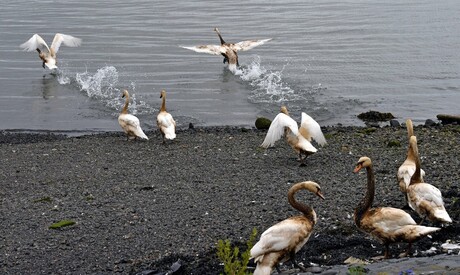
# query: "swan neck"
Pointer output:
{"type": "Point", "coordinates": [417, 176]}
{"type": "Point", "coordinates": [163, 103]}
{"type": "Point", "coordinates": [222, 42]}
{"type": "Point", "coordinates": [125, 108]}
{"type": "Point", "coordinates": [368, 199]}
{"type": "Point", "coordinates": [307, 211]}
{"type": "Point", "coordinates": [410, 128]}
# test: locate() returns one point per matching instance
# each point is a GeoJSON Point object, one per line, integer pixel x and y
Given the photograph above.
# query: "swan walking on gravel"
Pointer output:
{"type": "Point", "coordinates": [283, 240]}
{"type": "Point", "coordinates": [130, 123]}
{"type": "Point", "coordinates": [165, 121]}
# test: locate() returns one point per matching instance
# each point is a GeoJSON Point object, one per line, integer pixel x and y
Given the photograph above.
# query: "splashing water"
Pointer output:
{"type": "Point", "coordinates": [103, 86]}
{"type": "Point", "coordinates": [269, 85]}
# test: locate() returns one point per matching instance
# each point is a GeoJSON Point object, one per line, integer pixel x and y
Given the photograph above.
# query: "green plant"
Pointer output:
{"type": "Point", "coordinates": [234, 263]}
{"type": "Point", "coordinates": [357, 270]}
{"type": "Point", "coordinates": [61, 224]}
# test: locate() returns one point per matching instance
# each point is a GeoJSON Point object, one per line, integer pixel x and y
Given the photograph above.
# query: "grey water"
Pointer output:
{"type": "Point", "coordinates": [330, 59]}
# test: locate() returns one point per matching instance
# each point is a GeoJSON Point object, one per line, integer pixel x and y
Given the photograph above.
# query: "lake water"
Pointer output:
{"type": "Point", "coordinates": [330, 59]}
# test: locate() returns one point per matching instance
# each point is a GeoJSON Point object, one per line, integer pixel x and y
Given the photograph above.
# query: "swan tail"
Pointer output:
{"type": "Point", "coordinates": [262, 269]}
{"type": "Point", "coordinates": [442, 216]}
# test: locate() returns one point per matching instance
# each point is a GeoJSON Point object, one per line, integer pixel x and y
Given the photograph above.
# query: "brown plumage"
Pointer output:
{"type": "Point", "coordinates": [280, 242]}
{"type": "Point", "coordinates": [387, 224]}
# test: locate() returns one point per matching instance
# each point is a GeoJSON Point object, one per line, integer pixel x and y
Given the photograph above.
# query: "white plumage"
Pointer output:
{"type": "Point", "coordinates": [299, 138]}
{"type": "Point", "coordinates": [48, 54]}
{"type": "Point", "coordinates": [130, 123]}
{"type": "Point", "coordinates": [165, 121]}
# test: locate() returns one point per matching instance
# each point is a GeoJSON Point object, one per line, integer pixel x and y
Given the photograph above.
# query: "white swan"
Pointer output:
{"type": "Point", "coordinates": [129, 123]}
{"type": "Point", "coordinates": [298, 137]}
{"type": "Point", "coordinates": [284, 239]}
{"type": "Point", "coordinates": [387, 224]}
{"type": "Point", "coordinates": [228, 50]}
{"type": "Point", "coordinates": [407, 168]}
{"type": "Point", "coordinates": [165, 121]}
{"type": "Point", "coordinates": [48, 54]}
{"type": "Point", "coordinates": [423, 197]}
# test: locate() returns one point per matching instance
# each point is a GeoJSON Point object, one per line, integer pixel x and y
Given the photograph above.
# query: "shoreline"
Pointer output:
{"type": "Point", "coordinates": [142, 205]}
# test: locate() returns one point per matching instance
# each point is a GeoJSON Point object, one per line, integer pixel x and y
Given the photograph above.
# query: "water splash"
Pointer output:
{"type": "Point", "coordinates": [103, 86]}
{"type": "Point", "coordinates": [269, 85]}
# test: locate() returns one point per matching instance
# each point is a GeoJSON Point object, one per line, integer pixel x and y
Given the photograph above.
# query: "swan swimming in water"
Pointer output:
{"type": "Point", "coordinates": [298, 137]}
{"type": "Point", "coordinates": [228, 50]}
{"type": "Point", "coordinates": [283, 240]}
{"type": "Point", "coordinates": [165, 121]}
{"type": "Point", "coordinates": [48, 54]}
{"type": "Point", "coordinates": [387, 224]}
{"type": "Point", "coordinates": [130, 123]}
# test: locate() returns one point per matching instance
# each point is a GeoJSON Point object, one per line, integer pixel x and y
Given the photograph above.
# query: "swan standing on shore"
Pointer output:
{"type": "Point", "coordinates": [228, 50]}
{"type": "Point", "coordinates": [48, 54]}
{"type": "Point", "coordinates": [387, 224]}
{"type": "Point", "coordinates": [165, 121]}
{"type": "Point", "coordinates": [423, 197]}
{"type": "Point", "coordinates": [283, 240]}
{"type": "Point", "coordinates": [407, 168]}
{"type": "Point", "coordinates": [130, 123]}
{"type": "Point", "coordinates": [298, 137]}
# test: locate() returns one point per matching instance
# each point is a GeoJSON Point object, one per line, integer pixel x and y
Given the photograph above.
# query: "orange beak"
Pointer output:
{"type": "Point", "coordinates": [319, 194]}
{"type": "Point", "coordinates": [357, 168]}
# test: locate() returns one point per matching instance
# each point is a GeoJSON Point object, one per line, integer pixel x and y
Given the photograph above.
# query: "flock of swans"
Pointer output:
{"type": "Point", "coordinates": [283, 240]}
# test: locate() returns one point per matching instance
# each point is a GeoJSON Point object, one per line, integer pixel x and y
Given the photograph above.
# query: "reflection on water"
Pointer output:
{"type": "Point", "coordinates": [50, 86]}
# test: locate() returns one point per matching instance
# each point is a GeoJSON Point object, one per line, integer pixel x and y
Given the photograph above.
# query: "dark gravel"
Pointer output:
{"type": "Point", "coordinates": [142, 205]}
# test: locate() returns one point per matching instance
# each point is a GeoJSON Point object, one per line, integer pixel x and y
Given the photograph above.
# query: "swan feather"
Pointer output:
{"type": "Point", "coordinates": [276, 129]}
{"type": "Point", "coordinates": [131, 125]}
{"type": "Point", "coordinates": [210, 49]}
{"type": "Point", "coordinates": [35, 42]}
{"type": "Point", "coordinates": [248, 44]}
{"type": "Point", "coordinates": [167, 125]}
{"type": "Point", "coordinates": [309, 129]}
{"type": "Point", "coordinates": [68, 40]}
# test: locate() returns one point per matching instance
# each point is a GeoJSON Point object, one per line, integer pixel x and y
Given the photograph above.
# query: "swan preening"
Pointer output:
{"type": "Point", "coordinates": [407, 168]}
{"type": "Point", "coordinates": [424, 198]}
{"type": "Point", "coordinates": [298, 137]}
{"type": "Point", "coordinates": [165, 121]}
{"type": "Point", "coordinates": [129, 123]}
{"type": "Point", "coordinates": [387, 224]}
{"type": "Point", "coordinates": [281, 242]}
{"type": "Point", "coordinates": [48, 54]}
{"type": "Point", "coordinates": [228, 50]}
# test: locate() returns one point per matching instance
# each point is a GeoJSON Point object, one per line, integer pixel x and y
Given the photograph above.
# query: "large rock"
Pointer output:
{"type": "Point", "coordinates": [375, 116]}
{"type": "Point", "coordinates": [263, 123]}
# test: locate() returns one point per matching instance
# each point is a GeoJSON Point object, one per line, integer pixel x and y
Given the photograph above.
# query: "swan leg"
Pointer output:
{"type": "Point", "coordinates": [423, 219]}
{"type": "Point", "coordinates": [407, 253]}
{"type": "Point", "coordinates": [295, 263]}
{"type": "Point", "coordinates": [387, 251]}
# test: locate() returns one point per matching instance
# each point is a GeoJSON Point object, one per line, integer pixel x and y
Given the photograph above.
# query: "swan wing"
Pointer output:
{"type": "Point", "coordinates": [309, 129]}
{"type": "Point", "coordinates": [426, 198]}
{"type": "Point", "coordinates": [248, 44]}
{"type": "Point", "coordinates": [276, 129]}
{"type": "Point", "coordinates": [35, 42]}
{"type": "Point", "coordinates": [210, 49]}
{"type": "Point", "coordinates": [68, 40]}
{"type": "Point", "coordinates": [131, 124]}
{"type": "Point", "coordinates": [277, 238]}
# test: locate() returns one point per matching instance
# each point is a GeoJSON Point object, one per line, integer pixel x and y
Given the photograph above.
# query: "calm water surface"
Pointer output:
{"type": "Point", "coordinates": [331, 59]}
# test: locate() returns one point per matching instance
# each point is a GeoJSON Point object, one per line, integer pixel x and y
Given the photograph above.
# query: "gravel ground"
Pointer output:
{"type": "Point", "coordinates": [142, 205]}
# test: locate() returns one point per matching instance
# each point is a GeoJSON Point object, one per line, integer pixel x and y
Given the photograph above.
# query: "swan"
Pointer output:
{"type": "Point", "coordinates": [165, 121]}
{"type": "Point", "coordinates": [298, 137]}
{"type": "Point", "coordinates": [48, 54]}
{"type": "Point", "coordinates": [407, 168]}
{"type": "Point", "coordinates": [423, 197]}
{"type": "Point", "coordinates": [283, 240]}
{"type": "Point", "coordinates": [228, 50]}
{"type": "Point", "coordinates": [387, 224]}
{"type": "Point", "coordinates": [129, 123]}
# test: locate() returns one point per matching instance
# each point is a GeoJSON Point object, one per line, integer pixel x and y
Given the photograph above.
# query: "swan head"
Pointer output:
{"type": "Point", "coordinates": [362, 163]}
{"type": "Point", "coordinates": [312, 187]}
{"type": "Point", "coordinates": [125, 94]}
{"type": "Point", "coordinates": [216, 30]}
{"type": "Point", "coordinates": [163, 94]}
{"type": "Point", "coordinates": [284, 110]}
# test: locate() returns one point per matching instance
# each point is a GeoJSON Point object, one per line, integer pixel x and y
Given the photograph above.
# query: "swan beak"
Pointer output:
{"type": "Point", "coordinates": [319, 194]}
{"type": "Point", "coordinates": [357, 168]}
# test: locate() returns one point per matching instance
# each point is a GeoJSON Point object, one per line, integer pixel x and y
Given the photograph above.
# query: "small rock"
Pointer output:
{"type": "Point", "coordinates": [394, 123]}
{"type": "Point", "coordinates": [430, 123]}
{"type": "Point", "coordinates": [263, 123]}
